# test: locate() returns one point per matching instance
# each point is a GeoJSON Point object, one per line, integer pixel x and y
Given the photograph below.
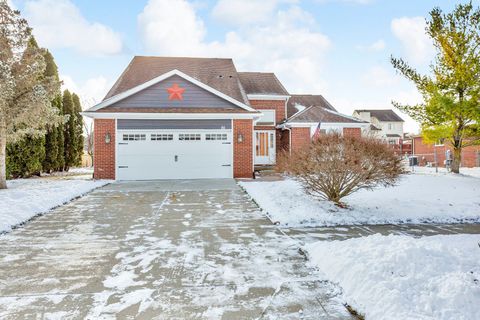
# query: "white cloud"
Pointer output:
{"type": "Point", "coordinates": [378, 45]}
{"type": "Point", "coordinates": [171, 27]}
{"type": "Point", "coordinates": [90, 92]}
{"type": "Point", "coordinates": [244, 12]}
{"type": "Point", "coordinates": [411, 33]}
{"type": "Point", "coordinates": [60, 24]}
{"type": "Point", "coordinates": [288, 46]}
{"type": "Point", "coordinates": [380, 76]}
{"type": "Point", "coordinates": [348, 1]}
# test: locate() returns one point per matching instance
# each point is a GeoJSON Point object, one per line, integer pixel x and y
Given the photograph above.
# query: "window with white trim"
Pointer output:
{"type": "Point", "coordinates": [216, 136]}
{"type": "Point", "coordinates": [440, 142]}
{"type": "Point", "coordinates": [161, 137]}
{"type": "Point", "coordinates": [189, 137]}
{"type": "Point", "coordinates": [134, 137]}
{"type": "Point", "coordinates": [268, 118]}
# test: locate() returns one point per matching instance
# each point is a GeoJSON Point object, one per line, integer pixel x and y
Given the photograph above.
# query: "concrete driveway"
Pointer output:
{"type": "Point", "coordinates": [166, 250]}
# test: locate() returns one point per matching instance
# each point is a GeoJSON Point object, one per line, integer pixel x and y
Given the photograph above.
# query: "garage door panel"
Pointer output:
{"type": "Point", "coordinates": [179, 158]}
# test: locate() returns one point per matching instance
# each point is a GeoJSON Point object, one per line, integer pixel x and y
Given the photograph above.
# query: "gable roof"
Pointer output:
{"type": "Point", "coordinates": [383, 115]}
{"type": "Point", "coordinates": [122, 95]}
{"type": "Point", "coordinates": [323, 115]}
{"type": "Point", "coordinates": [262, 83]}
{"type": "Point", "coordinates": [219, 74]}
{"type": "Point", "coordinates": [297, 101]}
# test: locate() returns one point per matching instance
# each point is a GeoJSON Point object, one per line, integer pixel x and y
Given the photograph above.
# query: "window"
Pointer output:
{"type": "Point", "coordinates": [216, 136]}
{"type": "Point", "coordinates": [392, 141]}
{"type": "Point", "coordinates": [268, 118]}
{"type": "Point", "coordinates": [391, 126]}
{"type": "Point", "coordinates": [161, 137]}
{"type": "Point", "coordinates": [440, 142]}
{"type": "Point", "coordinates": [134, 137]}
{"type": "Point", "coordinates": [189, 136]}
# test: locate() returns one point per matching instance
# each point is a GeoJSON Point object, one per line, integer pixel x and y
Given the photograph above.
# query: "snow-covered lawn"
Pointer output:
{"type": "Point", "coordinates": [26, 198]}
{"type": "Point", "coordinates": [399, 277]}
{"type": "Point", "coordinates": [418, 198]}
{"type": "Point", "coordinates": [473, 172]}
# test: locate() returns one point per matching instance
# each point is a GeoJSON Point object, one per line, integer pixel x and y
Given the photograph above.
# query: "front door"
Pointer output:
{"type": "Point", "coordinates": [264, 147]}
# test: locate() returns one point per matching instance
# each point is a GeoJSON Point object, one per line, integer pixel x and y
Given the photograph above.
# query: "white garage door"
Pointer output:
{"type": "Point", "coordinates": [174, 154]}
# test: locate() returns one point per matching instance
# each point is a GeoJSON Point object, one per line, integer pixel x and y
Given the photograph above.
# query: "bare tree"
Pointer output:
{"type": "Point", "coordinates": [334, 166]}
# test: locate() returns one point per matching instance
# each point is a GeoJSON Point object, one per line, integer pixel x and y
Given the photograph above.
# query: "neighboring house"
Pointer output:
{"type": "Point", "coordinates": [385, 124]}
{"type": "Point", "coordinates": [191, 118]}
{"type": "Point", "coordinates": [427, 153]}
{"type": "Point", "coordinates": [306, 112]}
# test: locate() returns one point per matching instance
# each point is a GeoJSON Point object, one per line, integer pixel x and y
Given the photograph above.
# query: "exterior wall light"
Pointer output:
{"type": "Point", "coordinates": [108, 138]}
{"type": "Point", "coordinates": [240, 138]}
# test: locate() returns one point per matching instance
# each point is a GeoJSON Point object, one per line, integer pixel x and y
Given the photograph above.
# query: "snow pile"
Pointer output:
{"type": "Point", "coordinates": [399, 277]}
{"type": "Point", "coordinates": [26, 198]}
{"type": "Point", "coordinates": [417, 198]}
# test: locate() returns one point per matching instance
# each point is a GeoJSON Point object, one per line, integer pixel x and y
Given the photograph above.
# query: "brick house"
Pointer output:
{"type": "Point", "coordinates": [307, 113]}
{"type": "Point", "coordinates": [427, 153]}
{"type": "Point", "coordinates": [190, 118]}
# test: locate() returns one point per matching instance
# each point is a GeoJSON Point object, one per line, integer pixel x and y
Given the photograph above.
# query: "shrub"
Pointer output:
{"type": "Point", "coordinates": [334, 166]}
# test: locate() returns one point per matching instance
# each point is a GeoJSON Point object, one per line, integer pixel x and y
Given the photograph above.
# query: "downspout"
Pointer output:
{"type": "Point", "coordinates": [289, 140]}
{"type": "Point", "coordinates": [289, 129]}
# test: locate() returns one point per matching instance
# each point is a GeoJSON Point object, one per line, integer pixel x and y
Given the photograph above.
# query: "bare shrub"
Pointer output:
{"type": "Point", "coordinates": [334, 166]}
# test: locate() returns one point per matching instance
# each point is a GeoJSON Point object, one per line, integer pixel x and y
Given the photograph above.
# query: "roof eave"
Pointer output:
{"type": "Point", "coordinates": [265, 96]}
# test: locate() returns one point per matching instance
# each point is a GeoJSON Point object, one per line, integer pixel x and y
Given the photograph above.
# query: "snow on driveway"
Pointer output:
{"type": "Point", "coordinates": [399, 277]}
{"type": "Point", "coordinates": [197, 249]}
{"type": "Point", "coordinates": [26, 198]}
{"type": "Point", "coordinates": [418, 198]}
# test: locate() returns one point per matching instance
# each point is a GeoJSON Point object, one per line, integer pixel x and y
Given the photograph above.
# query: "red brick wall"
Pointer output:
{"type": "Point", "coordinates": [104, 154]}
{"type": "Point", "coordinates": [426, 153]}
{"type": "Point", "coordinates": [352, 132]}
{"type": "Point", "coordinates": [277, 105]}
{"type": "Point", "coordinates": [300, 138]}
{"type": "Point", "coordinates": [243, 152]}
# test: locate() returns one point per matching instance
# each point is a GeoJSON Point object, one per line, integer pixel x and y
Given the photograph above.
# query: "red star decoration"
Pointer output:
{"type": "Point", "coordinates": [175, 92]}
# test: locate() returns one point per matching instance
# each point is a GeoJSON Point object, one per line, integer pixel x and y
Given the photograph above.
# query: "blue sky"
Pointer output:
{"type": "Point", "coordinates": [338, 48]}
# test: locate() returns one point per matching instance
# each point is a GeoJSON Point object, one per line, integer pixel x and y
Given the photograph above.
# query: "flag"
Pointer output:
{"type": "Point", "coordinates": [317, 132]}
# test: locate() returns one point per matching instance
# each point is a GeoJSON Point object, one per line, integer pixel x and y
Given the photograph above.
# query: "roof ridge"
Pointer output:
{"type": "Point", "coordinates": [299, 112]}
{"type": "Point", "coordinates": [120, 78]}
{"type": "Point", "coordinates": [181, 57]}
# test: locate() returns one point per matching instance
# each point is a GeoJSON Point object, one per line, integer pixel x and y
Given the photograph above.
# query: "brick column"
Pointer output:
{"type": "Point", "coordinates": [104, 153]}
{"type": "Point", "coordinates": [352, 132]}
{"type": "Point", "coordinates": [243, 151]}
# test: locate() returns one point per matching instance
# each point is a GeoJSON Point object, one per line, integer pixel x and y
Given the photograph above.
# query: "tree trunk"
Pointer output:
{"type": "Point", "coordinates": [3, 154]}
{"type": "Point", "coordinates": [457, 159]}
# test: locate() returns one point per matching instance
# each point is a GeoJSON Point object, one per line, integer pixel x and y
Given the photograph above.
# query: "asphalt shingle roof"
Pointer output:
{"type": "Point", "coordinates": [261, 83]}
{"type": "Point", "coordinates": [324, 115]}
{"type": "Point", "coordinates": [383, 115]}
{"type": "Point", "coordinates": [219, 74]}
{"type": "Point", "coordinates": [297, 101]}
